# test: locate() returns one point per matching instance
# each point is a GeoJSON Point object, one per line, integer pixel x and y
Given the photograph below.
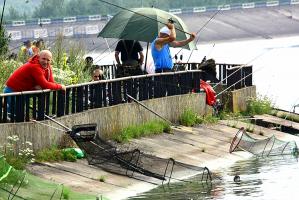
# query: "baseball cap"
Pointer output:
{"type": "Point", "coordinates": [165, 30]}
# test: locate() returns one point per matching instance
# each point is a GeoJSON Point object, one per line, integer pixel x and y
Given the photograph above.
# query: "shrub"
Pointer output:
{"type": "Point", "coordinates": [258, 106]}
{"type": "Point", "coordinates": [7, 67]}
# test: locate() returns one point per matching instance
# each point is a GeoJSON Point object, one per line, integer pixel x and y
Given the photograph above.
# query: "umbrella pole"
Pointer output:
{"type": "Point", "coordinates": [146, 57]}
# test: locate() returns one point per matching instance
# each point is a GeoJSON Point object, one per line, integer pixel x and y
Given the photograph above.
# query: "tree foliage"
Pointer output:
{"type": "Point", "coordinates": [4, 41]}
{"type": "Point", "coordinates": [63, 8]}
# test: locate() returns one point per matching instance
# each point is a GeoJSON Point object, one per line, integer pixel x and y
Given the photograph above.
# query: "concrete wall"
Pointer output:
{"type": "Point", "coordinates": [239, 98]}
{"type": "Point", "coordinates": [110, 120]}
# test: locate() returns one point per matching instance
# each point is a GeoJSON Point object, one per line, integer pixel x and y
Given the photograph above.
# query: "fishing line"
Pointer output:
{"type": "Point", "coordinates": [207, 22]}
{"type": "Point", "coordinates": [241, 66]}
{"type": "Point", "coordinates": [239, 80]}
{"type": "Point", "coordinates": [211, 50]}
{"type": "Point", "coordinates": [98, 58]}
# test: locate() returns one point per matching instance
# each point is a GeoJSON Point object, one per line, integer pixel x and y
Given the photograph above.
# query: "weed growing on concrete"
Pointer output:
{"type": "Point", "coordinates": [261, 133]}
{"type": "Point", "coordinates": [203, 150]}
{"type": "Point", "coordinates": [210, 119]}
{"type": "Point", "coordinates": [146, 129]}
{"type": "Point", "coordinates": [54, 154]}
{"type": "Point", "coordinates": [190, 118]}
{"type": "Point", "coordinates": [102, 178]}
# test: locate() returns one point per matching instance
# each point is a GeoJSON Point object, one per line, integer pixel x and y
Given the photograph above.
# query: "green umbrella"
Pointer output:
{"type": "Point", "coordinates": [143, 24]}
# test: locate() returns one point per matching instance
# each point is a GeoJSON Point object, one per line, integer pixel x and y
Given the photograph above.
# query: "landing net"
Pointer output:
{"type": "Point", "coordinates": [132, 163]}
{"type": "Point", "coordinates": [270, 146]}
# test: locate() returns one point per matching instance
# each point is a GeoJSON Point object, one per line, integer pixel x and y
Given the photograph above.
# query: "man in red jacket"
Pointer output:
{"type": "Point", "coordinates": [35, 74]}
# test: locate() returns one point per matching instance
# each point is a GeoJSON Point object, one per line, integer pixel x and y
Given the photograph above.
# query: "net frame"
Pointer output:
{"type": "Point", "coordinates": [270, 146]}
{"type": "Point", "coordinates": [105, 155]}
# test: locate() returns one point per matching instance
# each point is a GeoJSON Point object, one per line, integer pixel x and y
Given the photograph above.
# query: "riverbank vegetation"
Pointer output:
{"type": "Point", "coordinates": [255, 106]}
{"type": "Point", "coordinates": [15, 157]}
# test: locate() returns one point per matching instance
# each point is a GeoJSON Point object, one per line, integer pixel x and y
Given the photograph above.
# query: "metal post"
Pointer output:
{"type": "Point", "coordinates": [4, 2]}
{"type": "Point", "coordinates": [145, 64]}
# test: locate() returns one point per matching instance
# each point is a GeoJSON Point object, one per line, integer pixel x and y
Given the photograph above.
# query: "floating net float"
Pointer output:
{"type": "Point", "coordinates": [270, 146]}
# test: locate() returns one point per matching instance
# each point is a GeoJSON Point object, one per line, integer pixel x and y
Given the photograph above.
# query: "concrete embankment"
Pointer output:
{"type": "Point", "coordinates": [206, 146]}
{"type": "Point", "coordinates": [200, 146]}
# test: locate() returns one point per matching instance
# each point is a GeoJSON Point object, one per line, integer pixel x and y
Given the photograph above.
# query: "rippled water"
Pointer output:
{"type": "Point", "coordinates": [274, 178]}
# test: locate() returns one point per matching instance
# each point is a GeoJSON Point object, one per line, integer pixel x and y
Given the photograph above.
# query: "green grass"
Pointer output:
{"type": "Point", "coordinates": [55, 155]}
{"type": "Point", "coordinates": [190, 118]}
{"type": "Point", "coordinates": [146, 129]}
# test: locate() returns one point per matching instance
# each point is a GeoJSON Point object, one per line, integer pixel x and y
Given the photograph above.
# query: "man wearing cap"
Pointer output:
{"type": "Point", "coordinates": [160, 47]}
{"type": "Point", "coordinates": [27, 50]}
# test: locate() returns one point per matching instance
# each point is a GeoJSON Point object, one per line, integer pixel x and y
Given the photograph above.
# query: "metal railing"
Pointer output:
{"type": "Point", "coordinates": [25, 106]}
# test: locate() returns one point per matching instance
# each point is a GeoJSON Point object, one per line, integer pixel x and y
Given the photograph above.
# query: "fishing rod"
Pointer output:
{"type": "Point", "coordinates": [241, 66]}
{"type": "Point", "coordinates": [138, 102]}
{"type": "Point", "coordinates": [207, 22]}
{"type": "Point", "coordinates": [169, 20]}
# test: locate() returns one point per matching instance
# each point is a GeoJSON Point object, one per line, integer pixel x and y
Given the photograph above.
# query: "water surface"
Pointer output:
{"type": "Point", "coordinates": [274, 178]}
